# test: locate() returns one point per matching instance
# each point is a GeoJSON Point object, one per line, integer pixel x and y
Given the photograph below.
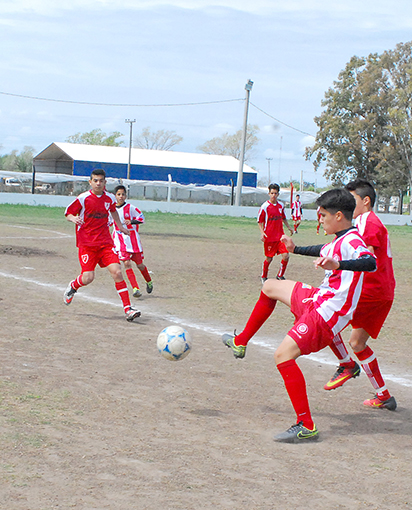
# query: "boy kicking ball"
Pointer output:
{"type": "Point", "coordinates": [320, 313]}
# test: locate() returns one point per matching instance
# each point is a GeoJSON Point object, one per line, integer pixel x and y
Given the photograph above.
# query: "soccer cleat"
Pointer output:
{"type": "Point", "coordinates": [342, 375]}
{"type": "Point", "coordinates": [263, 279]}
{"type": "Point", "coordinates": [69, 294]}
{"type": "Point", "coordinates": [132, 314]}
{"type": "Point", "coordinates": [149, 287]}
{"type": "Point", "coordinates": [389, 404]}
{"type": "Point", "coordinates": [136, 292]}
{"type": "Point", "coordinates": [239, 351]}
{"type": "Point", "coordinates": [297, 434]}
{"type": "Point", "coordinates": [280, 278]}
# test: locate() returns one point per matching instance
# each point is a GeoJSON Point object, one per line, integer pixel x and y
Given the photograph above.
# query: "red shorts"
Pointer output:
{"type": "Point", "coordinates": [136, 257]}
{"type": "Point", "coordinates": [310, 331]}
{"type": "Point", "coordinates": [90, 256]}
{"type": "Point", "coordinates": [370, 315]}
{"type": "Point", "coordinates": [296, 218]}
{"type": "Point", "coordinates": [273, 248]}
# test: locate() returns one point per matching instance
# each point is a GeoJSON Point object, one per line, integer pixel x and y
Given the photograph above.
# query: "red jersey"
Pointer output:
{"type": "Point", "coordinates": [94, 210]}
{"type": "Point", "coordinates": [272, 216]}
{"type": "Point", "coordinates": [339, 293]}
{"type": "Point", "coordinates": [381, 283]}
{"type": "Point", "coordinates": [131, 243]}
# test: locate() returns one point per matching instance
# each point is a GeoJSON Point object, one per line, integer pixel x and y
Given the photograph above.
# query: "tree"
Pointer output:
{"type": "Point", "coordinates": [158, 140]}
{"type": "Point", "coordinates": [365, 128]}
{"type": "Point", "coordinates": [16, 162]}
{"type": "Point", "coordinates": [230, 145]}
{"type": "Point", "coordinates": [97, 137]}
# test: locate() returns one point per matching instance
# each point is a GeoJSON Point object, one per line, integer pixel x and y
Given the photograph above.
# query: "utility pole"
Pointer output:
{"type": "Point", "coordinates": [130, 145]}
{"type": "Point", "coordinates": [269, 160]}
{"type": "Point", "coordinates": [248, 88]}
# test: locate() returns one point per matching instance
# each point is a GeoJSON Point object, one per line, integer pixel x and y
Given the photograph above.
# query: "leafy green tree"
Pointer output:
{"type": "Point", "coordinates": [230, 145]}
{"type": "Point", "coordinates": [97, 137]}
{"type": "Point", "coordinates": [18, 162]}
{"type": "Point", "coordinates": [160, 140]}
{"type": "Point", "coordinates": [365, 128]}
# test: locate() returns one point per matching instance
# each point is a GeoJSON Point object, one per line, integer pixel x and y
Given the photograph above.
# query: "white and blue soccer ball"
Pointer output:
{"type": "Point", "coordinates": [174, 343]}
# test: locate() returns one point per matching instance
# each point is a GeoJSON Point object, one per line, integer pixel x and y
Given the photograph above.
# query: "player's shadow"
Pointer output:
{"type": "Point", "coordinates": [371, 421]}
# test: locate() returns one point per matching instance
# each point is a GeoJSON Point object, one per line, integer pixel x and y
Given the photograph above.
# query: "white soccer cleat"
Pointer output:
{"type": "Point", "coordinates": [69, 294]}
{"type": "Point", "coordinates": [132, 314]}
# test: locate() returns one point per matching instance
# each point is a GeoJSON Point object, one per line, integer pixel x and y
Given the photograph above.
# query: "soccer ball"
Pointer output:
{"type": "Point", "coordinates": [174, 343]}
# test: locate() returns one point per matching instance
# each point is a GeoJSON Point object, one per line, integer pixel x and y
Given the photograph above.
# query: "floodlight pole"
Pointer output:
{"type": "Point", "coordinates": [130, 145]}
{"type": "Point", "coordinates": [248, 88]}
{"type": "Point", "coordinates": [269, 160]}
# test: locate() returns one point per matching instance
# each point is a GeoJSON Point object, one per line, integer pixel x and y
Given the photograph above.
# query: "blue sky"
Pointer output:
{"type": "Point", "coordinates": [172, 52]}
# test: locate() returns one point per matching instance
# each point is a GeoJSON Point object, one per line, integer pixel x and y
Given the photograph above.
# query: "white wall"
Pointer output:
{"type": "Point", "coordinates": [179, 207]}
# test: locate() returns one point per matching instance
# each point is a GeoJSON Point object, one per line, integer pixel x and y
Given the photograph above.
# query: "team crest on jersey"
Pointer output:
{"type": "Point", "coordinates": [107, 205]}
{"type": "Point", "coordinates": [302, 328]}
{"type": "Point", "coordinates": [85, 258]}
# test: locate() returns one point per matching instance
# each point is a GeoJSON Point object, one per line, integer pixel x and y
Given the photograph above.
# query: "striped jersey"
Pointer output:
{"type": "Point", "coordinates": [337, 297]}
{"type": "Point", "coordinates": [94, 211]}
{"type": "Point", "coordinates": [131, 243]}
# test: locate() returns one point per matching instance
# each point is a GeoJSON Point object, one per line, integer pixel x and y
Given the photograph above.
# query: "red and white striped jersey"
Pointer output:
{"type": "Point", "coordinates": [297, 209]}
{"type": "Point", "coordinates": [338, 295]}
{"type": "Point", "coordinates": [94, 210]}
{"type": "Point", "coordinates": [131, 243]}
{"type": "Point", "coordinates": [381, 283]}
{"type": "Point", "coordinates": [272, 216]}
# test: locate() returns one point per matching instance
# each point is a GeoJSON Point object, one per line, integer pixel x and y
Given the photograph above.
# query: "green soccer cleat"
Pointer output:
{"type": "Point", "coordinates": [297, 434]}
{"type": "Point", "coordinates": [136, 292]}
{"type": "Point", "coordinates": [239, 351]}
{"type": "Point", "coordinates": [149, 287]}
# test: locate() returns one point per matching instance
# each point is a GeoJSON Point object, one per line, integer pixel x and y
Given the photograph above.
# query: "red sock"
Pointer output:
{"type": "Point", "coordinates": [260, 313]}
{"type": "Point", "coordinates": [340, 351]}
{"type": "Point", "coordinates": [370, 366]}
{"type": "Point", "coordinates": [132, 278]}
{"type": "Point", "coordinates": [265, 269]}
{"type": "Point", "coordinates": [296, 387]}
{"type": "Point", "coordinates": [77, 283]}
{"type": "Point", "coordinates": [121, 288]}
{"type": "Point", "coordinates": [283, 266]}
{"type": "Point", "coordinates": [146, 275]}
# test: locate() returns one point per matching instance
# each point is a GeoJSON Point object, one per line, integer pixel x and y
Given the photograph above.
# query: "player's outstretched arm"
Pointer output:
{"type": "Point", "coordinates": [116, 218]}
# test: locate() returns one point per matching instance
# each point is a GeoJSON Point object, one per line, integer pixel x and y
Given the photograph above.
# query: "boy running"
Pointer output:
{"type": "Point", "coordinates": [271, 218]}
{"type": "Point", "coordinates": [129, 247]}
{"type": "Point", "coordinates": [297, 213]}
{"type": "Point", "coordinates": [320, 313]}
{"type": "Point", "coordinates": [90, 213]}
{"type": "Point", "coordinates": [376, 299]}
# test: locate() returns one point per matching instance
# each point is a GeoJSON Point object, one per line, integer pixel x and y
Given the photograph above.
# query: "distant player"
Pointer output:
{"type": "Point", "coordinates": [129, 247]}
{"type": "Point", "coordinates": [376, 299]}
{"type": "Point", "coordinates": [271, 218]}
{"type": "Point", "coordinates": [297, 213]}
{"type": "Point", "coordinates": [90, 213]}
{"type": "Point", "coordinates": [320, 313]}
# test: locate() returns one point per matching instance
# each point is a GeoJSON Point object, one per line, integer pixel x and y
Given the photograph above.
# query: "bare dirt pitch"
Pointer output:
{"type": "Point", "coordinates": [93, 418]}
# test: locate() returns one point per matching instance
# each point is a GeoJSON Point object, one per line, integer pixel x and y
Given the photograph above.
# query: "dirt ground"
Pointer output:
{"type": "Point", "coordinates": [92, 417]}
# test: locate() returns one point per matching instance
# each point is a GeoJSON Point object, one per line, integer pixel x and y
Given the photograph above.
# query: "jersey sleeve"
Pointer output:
{"type": "Point", "coordinates": [136, 214]}
{"type": "Point", "coordinates": [74, 208]}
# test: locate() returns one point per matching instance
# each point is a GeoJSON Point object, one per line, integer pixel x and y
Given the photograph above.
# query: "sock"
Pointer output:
{"type": "Point", "coordinates": [265, 269]}
{"type": "Point", "coordinates": [296, 387]}
{"type": "Point", "coordinates": [340, 351]}
{"type": "Point", "coordinates": [132, 278]}
{"type": "Point", "coordinates": [145, 274]}
{"type": "Point", "coordinates": [77, 283]}
{"type": "Point", "coordinates": [283, 266]}
{"type": "Point", "coordinates": [121, 288]}
{"type": "Point", "coordinates": [260, 313]}
{"type": "Point", "coordinates": [370, 366]}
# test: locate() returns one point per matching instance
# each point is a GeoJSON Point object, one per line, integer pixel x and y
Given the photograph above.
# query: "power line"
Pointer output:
{"type": "Point", "coordinates": [117, 104]}
{"type": "Point", "coordinates": [283, 123]}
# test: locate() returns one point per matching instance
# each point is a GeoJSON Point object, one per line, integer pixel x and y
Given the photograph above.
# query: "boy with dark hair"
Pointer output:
{"type": "Point", "coordinates": [374, 303]}
{"type": "Point", "coordinates": [129, 247]}
{"type": "Point", "coordinates": [271, 218]}
{"type": "Point", "coordinates": [90, 213]}
{"type": "Point", "coordinates": [320, 313]}
{"type": "Point", "coordinates": [297, 213]}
